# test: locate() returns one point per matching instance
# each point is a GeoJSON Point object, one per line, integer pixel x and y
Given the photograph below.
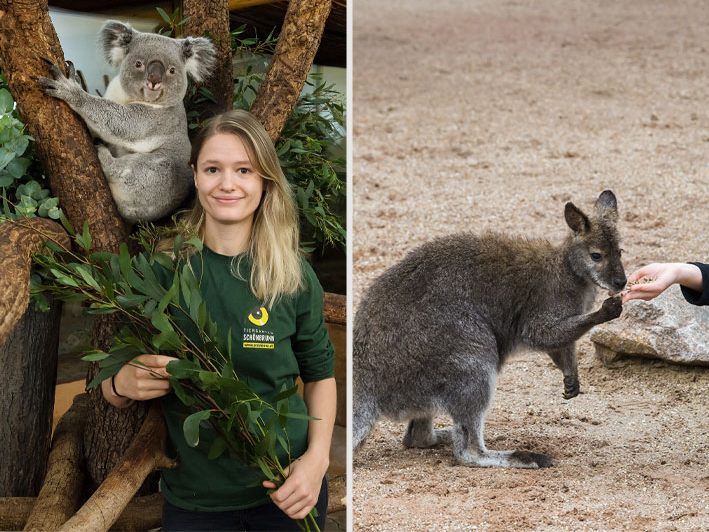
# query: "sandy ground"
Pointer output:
{"type": "Point", "coordinates": [475, 115]}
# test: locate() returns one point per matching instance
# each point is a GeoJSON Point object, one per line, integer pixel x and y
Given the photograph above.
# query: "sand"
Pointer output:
{"type": "Point", "coordinates": [477, 115]}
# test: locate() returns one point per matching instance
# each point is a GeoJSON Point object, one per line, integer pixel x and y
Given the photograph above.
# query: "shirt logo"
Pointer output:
{"type": "Point", "coordinates": [259, 316]}
{"type": "Point", "coordinates": [258, 338]}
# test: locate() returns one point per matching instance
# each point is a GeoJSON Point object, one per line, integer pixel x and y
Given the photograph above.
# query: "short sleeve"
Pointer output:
{"type": "Point", "coordinates": [698, 297]}
{"type": "Point", "coordinates": [311, 343]}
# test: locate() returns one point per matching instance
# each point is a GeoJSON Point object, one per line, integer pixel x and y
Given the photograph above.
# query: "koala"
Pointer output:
{"type": "Point", "coordinates": [432, 333]}
{"type": "Point", "coordinates": [141, 119]}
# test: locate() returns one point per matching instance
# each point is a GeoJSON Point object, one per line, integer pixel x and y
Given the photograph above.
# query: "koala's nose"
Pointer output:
{"type": "Point", "coordinates": [619, 282]}
{"type": "Point", "coordinates": [155, 72]}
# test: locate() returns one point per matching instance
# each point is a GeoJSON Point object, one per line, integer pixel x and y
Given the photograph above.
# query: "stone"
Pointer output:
{"type": "Point", "coordinates": [666, 327]}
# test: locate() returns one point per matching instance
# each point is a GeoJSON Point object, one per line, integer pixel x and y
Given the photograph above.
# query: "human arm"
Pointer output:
{"type": "Point", "coordinates": [689, 276]}
{"type": "Point", "coordinates": [299, 493]}
{"type": "Point", "coordinates": [144, 378]}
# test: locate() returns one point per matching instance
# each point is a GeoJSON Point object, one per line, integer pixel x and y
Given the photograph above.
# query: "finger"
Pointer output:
{"type": "Point", "coordinates": [636, 295]}
{"type": "Point", "coordinates": [268, 485]}
{"type": "Point", "coordinates": [158, 361]}
{"type": "Point", "coordinates": [303, 505]}
{"type": "Point", "coordinates": [303, 513]}
{"type": "Point", "coordinates": [654, 287]}
{"type": "Point", "coordinates": [146, 396]}
{"type": "Point", "coordinates": [155, 384]}
{"type": "Point", "coordinates": [637, 274]}
{"type": "Point", "coordinates": [283, 494]}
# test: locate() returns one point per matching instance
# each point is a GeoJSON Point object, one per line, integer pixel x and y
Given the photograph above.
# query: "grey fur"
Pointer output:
{"type": "Point", "coordinates": [146, 151]}
{"type": "Point", "coordinates": [432, 332]}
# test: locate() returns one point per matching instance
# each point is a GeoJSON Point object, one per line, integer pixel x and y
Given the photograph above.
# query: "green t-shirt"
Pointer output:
{"type": "Point", "coordinates": [268, 350]}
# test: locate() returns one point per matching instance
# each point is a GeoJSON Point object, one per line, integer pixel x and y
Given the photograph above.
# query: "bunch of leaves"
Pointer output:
{"type": "Point", "coordinates": [311, 153]}
{"type": "Point", "coordinates": [155, 319]}
{"type": "Point", "coordinates": [21, 181]}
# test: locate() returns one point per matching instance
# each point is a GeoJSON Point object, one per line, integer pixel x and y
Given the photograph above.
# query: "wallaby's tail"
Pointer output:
{"type": "Point", "coordinates": [364, 415]}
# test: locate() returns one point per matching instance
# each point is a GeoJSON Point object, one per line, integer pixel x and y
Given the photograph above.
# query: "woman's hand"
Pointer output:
{"type": "Point", "coordinates": [299, 493]}
{"type": "Point", "coordinates": [664, 275]}
{"type": "Point", "coordinates": [145, 377]}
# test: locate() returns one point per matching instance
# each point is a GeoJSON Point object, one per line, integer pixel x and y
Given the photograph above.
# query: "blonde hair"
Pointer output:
{"type": "Point", "coordinates": [273, 247]}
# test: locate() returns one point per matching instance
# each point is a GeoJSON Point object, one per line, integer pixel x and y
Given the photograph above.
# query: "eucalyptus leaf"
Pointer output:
{"type": "Point", "coordinates": [190, 427]}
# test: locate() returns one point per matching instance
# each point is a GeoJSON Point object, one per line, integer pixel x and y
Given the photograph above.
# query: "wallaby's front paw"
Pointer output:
{"type": "Point", "coordinates": [62, 87]}
{"type": "Point", "coordinates": [611, 308]}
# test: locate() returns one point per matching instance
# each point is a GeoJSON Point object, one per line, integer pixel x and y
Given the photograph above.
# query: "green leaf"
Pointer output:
{"type": "Point", "coordinates": [181, 393]}
{"type": "Point", "coordinates": [264, 468]}
{"type": "Point", "coordinates": [6, 101]}
{"type": "Point", "coordinates": [182, 369]}
{"type": "Point", "coordinates": [18, 167]}
{"type": "Point", "coordinates": [96, 356]}
{"type": "Point", "coordinates": [167, 341]}
{"type": "Point", "coordinates": [171, 296]}
{"type": "Point", "coordinates": [55, 213]}
{"type": "Point", "coordinates": [285, 394]}
{"type": "Point", "coordinates": [217, 448]}
{"type": "Point", "coordinates": [164, 16]}
{"type": "Point", "coordinates": [190, 428]}
{"type": "Point", "coordinates": [87, 277]}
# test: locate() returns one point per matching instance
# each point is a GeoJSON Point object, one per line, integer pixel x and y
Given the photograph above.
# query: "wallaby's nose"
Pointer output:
{"type": "Point", "coordinates": [619, 282]}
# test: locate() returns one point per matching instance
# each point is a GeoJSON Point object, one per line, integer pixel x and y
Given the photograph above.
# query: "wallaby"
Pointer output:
{"type": "Point", "coordinates": [432, 332]}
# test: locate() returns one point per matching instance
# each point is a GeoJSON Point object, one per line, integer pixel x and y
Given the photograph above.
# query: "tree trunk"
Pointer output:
{"type": "Point", "coordinates": [211, 18]}
{"type": "Point", "coordinates": [29, 371]}
{"type": "Point", "coordinates": [299, 40]}
{"type": "Point", "coordinates": [28, 353]}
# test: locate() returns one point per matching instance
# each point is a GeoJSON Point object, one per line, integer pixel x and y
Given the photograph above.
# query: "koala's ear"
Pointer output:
{"type": "Point", "coordinates": [576, 219]}
{"type": "Point", "coordinates": [199, 56]}
{"type": "Point", "coordinates": [607, 206]}
{"type": "Point", "coordinates": [116, 36]}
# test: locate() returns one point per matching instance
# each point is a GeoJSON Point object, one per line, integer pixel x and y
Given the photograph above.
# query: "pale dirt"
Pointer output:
{"type": "Point", "coordinates": [475, 115]}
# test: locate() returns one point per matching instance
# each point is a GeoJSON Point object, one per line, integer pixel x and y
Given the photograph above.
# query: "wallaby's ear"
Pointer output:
{"type": "Point", "coordinates": [116, 37]}
{"type": "Point", "coordinates": [199, 56]}
{"type": "Point", "coordinates": [576, 220]}
{"type": "Point", "coordinates": [607, 206]}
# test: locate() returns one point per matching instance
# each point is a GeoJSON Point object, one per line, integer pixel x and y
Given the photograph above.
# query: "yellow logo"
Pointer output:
{"type": "Point", "coordinates": [259, 316]}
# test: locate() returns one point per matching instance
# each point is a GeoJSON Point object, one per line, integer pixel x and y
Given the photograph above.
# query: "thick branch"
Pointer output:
{"type": "Point", "coordinates": [63, 143]}
{"type": "Point", "coordinates": [143, 456]}
{"type": "Point", "coordinates": [18, 241]}
{"type": "Point", "coordinates": [60, 495]}
{"type": "Point", "coordinates": [211, 18]}
{"type": "Point", "coordinates": [335, 308]}
{"type": "Point", "coordinates": [142, 513]}
{"type": "Point", "coordinates": [296, 48]}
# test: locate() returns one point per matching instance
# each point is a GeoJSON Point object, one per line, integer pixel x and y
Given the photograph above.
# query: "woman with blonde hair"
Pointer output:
{"type": "Point", "coordinates": [255, 284]}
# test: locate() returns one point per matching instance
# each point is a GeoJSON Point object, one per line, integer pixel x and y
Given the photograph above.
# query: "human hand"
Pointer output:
{"type": "Point", "coordinates": [145, 377]}
{"type": "Point", "coordinates": [660, 277]}
{"type": "Point", "coordinates": [299, 493]}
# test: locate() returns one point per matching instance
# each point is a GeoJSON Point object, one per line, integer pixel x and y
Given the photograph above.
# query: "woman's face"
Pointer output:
{"type": "Point", "coordinates": [228, 186]}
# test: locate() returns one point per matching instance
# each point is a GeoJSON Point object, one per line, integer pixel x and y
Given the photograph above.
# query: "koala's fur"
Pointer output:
{"type": "Point", "coordinates": [141, 119]}
{"type": "Point", "coordinates": [431, 333]}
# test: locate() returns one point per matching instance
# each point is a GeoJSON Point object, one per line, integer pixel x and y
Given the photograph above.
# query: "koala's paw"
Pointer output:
{"type": "Point", "coordinates": [611, 308]}
{"type": "Point", "coordinates": [62, 87]}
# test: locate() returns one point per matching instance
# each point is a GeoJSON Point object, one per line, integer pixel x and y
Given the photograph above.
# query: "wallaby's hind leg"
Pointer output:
{"type": "Point", "coordinates": [420, 433]}
{"type": "Point", "coordinates": [468, 414]}
{"type": "Point", "coordinates": [565, 360]}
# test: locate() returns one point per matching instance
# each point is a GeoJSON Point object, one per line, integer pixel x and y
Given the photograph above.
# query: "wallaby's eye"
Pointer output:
{"type": "Point", "coordinates": [171, 70]}
{"type": "Point", "coordinates": [138, 64]}
{"type": "Point", "coordinates": [596, 257]}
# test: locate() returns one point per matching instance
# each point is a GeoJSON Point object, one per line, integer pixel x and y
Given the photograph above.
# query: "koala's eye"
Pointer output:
{"type": "Point", "coordinates": [138, 64]}
{"type": "Point", "coordinates": [596, 257]}
{"type": "Point", "coordinates": [171, 70]}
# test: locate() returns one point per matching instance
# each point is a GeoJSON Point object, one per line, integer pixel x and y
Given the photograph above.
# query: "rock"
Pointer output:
{"type": "Point", "coordinates": [666, 327]}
